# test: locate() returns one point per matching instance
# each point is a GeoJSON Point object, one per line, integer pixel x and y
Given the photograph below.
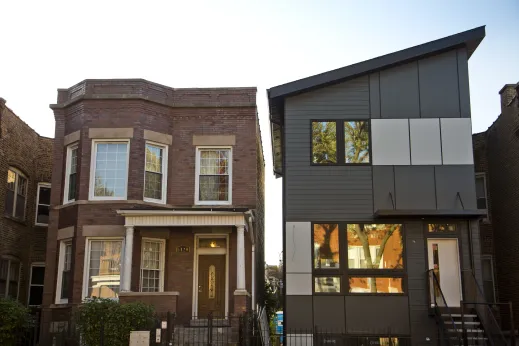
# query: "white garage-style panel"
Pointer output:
{"type": "Point", "coordinates": [390, 141]}
{"type": "Point", "coordinates": [298, 249]}
{"type": "Point", "coordinates": [456, 136]}
{"type": "Point", "coordinates": [299, 284]}
{"type": "Point", "coordinates": [425, 142]}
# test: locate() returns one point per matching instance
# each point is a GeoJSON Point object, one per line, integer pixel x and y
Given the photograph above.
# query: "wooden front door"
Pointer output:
{"type": "Point", "coordinates": [211, 285]}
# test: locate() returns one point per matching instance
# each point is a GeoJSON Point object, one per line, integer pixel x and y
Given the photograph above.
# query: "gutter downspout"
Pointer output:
{"type": "Point", "coordinates": [253, 265]}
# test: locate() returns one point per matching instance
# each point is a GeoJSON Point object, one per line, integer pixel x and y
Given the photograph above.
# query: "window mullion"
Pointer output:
{"type": "Point", "coordinates": [340, 142]}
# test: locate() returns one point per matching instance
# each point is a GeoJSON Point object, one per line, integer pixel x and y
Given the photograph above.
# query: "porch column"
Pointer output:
{"type": "Point", "coordinates": [127, 265]}
{"type": "Point", "coordinates": [240, 259]}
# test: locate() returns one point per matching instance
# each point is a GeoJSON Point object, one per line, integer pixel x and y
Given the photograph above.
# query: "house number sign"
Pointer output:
{"type": "Point", "coordinates": [182, 248]}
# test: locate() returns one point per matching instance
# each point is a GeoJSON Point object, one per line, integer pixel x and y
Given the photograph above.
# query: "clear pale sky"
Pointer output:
{"type": "Point", "coordinates": [45, 45]}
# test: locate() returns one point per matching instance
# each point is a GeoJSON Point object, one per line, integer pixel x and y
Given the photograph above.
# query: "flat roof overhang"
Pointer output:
{"type": "Point", "coordinates": [429, 213]}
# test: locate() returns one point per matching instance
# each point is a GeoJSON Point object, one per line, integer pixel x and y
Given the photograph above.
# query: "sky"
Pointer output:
{"type": "Point", "coordinates": [46, 45]}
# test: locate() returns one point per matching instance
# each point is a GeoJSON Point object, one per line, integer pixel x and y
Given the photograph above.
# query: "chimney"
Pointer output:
{"type": "Point", "coordinates": [508, 92]}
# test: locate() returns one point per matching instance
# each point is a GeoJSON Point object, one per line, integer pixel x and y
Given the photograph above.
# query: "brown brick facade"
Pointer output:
{"type": "Point", "coordinates": [180, 113]}
{"type": "Point", "coordinates": [23, 149]}
{"type": "Point", "coordinates": [495, 154]}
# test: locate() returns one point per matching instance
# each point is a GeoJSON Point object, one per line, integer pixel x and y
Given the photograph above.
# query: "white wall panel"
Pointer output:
{"type": "Point", "coordinates": [298, 248]}
{"type": "Point", "coordinates": [425, 142]}
{"type": "Point", "coordinates": [390, 141]}
{"type": "Point", "coordinates": [456, 136]}
{"type": "Point", "coordinates": [298, 284]}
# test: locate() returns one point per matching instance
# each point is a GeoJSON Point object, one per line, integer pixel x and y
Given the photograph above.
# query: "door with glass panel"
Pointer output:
{"type": "Point", "coordinates": [444, 261]}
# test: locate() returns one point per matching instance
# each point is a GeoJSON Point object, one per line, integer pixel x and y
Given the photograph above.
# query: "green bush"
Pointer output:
{"type": "Point", "coordinates": [15, 321]}
{"type": "Point", "coordinates": [115, 321]}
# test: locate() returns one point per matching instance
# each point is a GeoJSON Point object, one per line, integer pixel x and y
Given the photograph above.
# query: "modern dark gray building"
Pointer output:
{"type": "Point", "coordinates": [381, 237]}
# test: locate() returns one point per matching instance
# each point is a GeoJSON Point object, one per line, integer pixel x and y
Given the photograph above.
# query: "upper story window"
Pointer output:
{"type": "Point", "coordinates": [155, 173]}
{"type": "Point", "coordinates": [109, 173]}
{"type": "Point", "coordinates": [340, 142]}
{"type": "Point", "coordinates": [213, 176]}
{"type": "Point", "coordinates": [71, 174]}
{"type": "Point", "coordinates": [43, 204]}
{"type": "Point", "coordinates": [481, 191]}
{"type": "Point", "coordinates": [9, 278]}
{"type": "Point", "coordinates": [16, 194]}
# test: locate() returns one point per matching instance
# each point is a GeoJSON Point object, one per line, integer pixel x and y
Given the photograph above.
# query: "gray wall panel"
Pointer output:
{"type": "Point", "coordinates": [377, 314]}
{"type": "Point", "coordinates": [439, 96]}
{"type": "Point", "coordinates": [452, 179]}
{"type": "Point", "coordinates": [329, 313]}
{"type": "Point", "coordinates": [383, 185]}
{"type": "Point", "coordinates": [374, 94]}
{"type": "Point", "coordinates": [463, 76]}
{"type": "Point", "coordinates": [399, 96]}
{"type": "Point", "coordinates": [319, 192]}
{"type": "Point", "coordinates": [415, 187]}
{"type": "Point", "coordinates": [299, 313]}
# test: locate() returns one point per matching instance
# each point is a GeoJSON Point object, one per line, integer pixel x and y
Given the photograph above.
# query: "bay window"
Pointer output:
{"type": "Point", "coordinates": [70, 189]}
{"type": "Point", "coordinates": [43, 204]}
{"type": "Point", "coordinates": [103, 268]}
{"type": "Point", "coordinates": [213, 176]}
{"type": "Point", "coordinates": [64, 272]}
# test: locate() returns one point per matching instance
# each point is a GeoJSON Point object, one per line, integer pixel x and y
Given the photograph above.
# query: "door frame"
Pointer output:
{"type": "Point", "coordinates": [217, 251]}
{"type": "Point", "coordinates": [459, 261]}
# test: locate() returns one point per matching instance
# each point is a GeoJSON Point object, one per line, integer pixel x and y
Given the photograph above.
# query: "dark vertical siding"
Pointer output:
{"type": "Point", "coordinates": [463, 77]}
{"type": "Point", "coordinates": [399, 92]}
{"type": "Point", "coordinates": [374, 94]}
{"type": "Point", "coordinates": [319, 192]}
{"type": "Point", "coordinates": [384, 187]}
{"type": "Point", "coordinates": [451, 179]}
{"type": "Point", "coordinates": [439, 95]}
{"type": "Point", "coordinates": [414, 187]}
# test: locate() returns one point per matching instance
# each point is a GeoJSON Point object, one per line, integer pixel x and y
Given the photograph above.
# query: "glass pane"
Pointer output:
{"type": "Point", "coordinates": [11, 180]}
{"type": "Point", "coordinates": [4, 265]}
{"type": "Point", "coordinates": [22, 186]}
{"type": "Point", "coordinates": [327, 284]}
{"type": "Point", "coordinates": [380, 341]}
{"type": "Point", "coordinates": [214, 188]}
{"type": "Point", "coordinates": [73, 161]}
{"type": "Point", "coordinates": [72, 187]}
{"type": "Point", "coordinates": [480, 187]}
{"type": "Point", "coordinates": [324, 142]}
{"type": "Point", "coordinates": [20, 207]}
{"type": "Point", "coordinates": [442, 227]}
{"type": "Point", "coordinates": [44, 195]}
{"type": "Point", "coordinates": [326, 246]}
{"type": "Point", "coordinates": [153, 185]}
{"type": "Point", "coordinates": [212, 243]}
{"type": "Point", "coordinates": [486, 266]}
{"type": "Point", "coordinates": [111, 169]}
{"type": "Point", "coordinates": [38, 273]}
{"type": "Point", "coordinates": [482, 203]}
{"type": "Point", "coordinates": [214, 162]}
{"type": "Point", "coordinates": [104, 268]}
{"type": "Point", "coordinates": [35, 295]}
{"type": "Point", "coordinates": [65, 284]}
{"type": "Point", "coordinates": [153, 159]}
{"type": "Point", "coordinates": [43, 214]}
{"type": "Point", "coordinates": [356, 141]}
{"type": "Point", "coordinates": [375, 246]}
{"type": "Point", "coordinates": [375, 285]}
{"type": "Point", "coordinates": [150, 255]}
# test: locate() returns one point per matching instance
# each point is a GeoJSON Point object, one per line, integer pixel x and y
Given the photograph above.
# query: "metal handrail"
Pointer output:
{"type": "Point", "coordinates": [436, 285]}
{"type": "Point", "coordinates": [486, 317]}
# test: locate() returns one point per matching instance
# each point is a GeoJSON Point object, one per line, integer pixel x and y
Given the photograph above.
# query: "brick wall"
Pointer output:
{"type": "Point", "coordinates": [22, 148]}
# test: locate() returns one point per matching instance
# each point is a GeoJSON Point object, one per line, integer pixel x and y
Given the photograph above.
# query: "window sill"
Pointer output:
{"type": "Point", "coordinates": [209, 203]}
{"type": "Point", "coordinates": [41, 225]}
{"type": "Point", "coordinates": [20, 221]}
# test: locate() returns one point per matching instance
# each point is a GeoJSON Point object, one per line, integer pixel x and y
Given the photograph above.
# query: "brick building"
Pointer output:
{"type": "Point", "coordinates": [497, 185]}
{"type": "Point", "coordinates": [157, 197]}
{"type": "Point", "coordinates": [26, 168]}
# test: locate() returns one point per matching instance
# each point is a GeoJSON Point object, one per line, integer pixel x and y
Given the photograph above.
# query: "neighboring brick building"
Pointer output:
{"type": "Point", "coordinates": [25, 169]}
{"type": "Point", "coordinates": [156, 191]}
{"type": "Point", "coordinates": [497, 183]}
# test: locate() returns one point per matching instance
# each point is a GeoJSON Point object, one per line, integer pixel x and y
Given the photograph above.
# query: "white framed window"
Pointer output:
{"type": "Point", "coordinates": [35, 296]}
{"type": "Point", "coordinates": [109, 169]}
{"type": "Point", "coordinates": [102, 274]}
{"type": "Point", "coordinates": [70, 190]}
{"type": "Point", "coordinates": [155, 172]}
{"type": "Point", "coordinates": [42, 204]}
{"type": "Point", "coordinates": [9, 277]}
{"type": "Point", "coordinates": [64, 272]}
{"type": "Point", "coordinates": [152, 265]}
{"type": "Point", "coordinates": [213, 175]}
{"type": "Point", "coordinates": [16, 194]}
{"type": "Point", "coordinates": [481, 192]}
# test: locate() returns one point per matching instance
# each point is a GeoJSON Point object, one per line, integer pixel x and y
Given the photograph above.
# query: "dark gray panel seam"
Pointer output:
{"type": "Point", "coordinates": [419, 90]}
{"type": "Point", "coordinates": [458, 74]}
{"type": "Point", "coordinates": [394, 186]}
{"type": "Point", "coordinates": [372, 189]}
{"type": "Point", "coordinates": [441, 140]}
{"type": "Point", "coordinates": [379, 96]}
{"type": "Point", "coordinates": [410, 150]}
{"type": "Point", "coordinates": [435, 188]}
{"type": "Point", "coordinates": [369, 97]}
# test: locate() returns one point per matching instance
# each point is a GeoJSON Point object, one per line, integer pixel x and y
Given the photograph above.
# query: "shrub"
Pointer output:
{"type": "Point", "coordinates": [115, 321]}
{"type": "Point", "coordinates": [15, 321]}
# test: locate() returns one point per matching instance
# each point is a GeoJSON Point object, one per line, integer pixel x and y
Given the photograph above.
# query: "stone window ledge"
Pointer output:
{"type": "Point", "coordinates": [130, 294]}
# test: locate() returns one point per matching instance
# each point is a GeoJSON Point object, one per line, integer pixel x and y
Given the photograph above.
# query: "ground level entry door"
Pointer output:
{"type": "Point", "coordinates": [444, 260]}
{"type": "Point", "coordinates": [211, 285]}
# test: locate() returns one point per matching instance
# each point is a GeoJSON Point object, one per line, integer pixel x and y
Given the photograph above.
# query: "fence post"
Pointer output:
{"type": "Point", "coordinates": [463, 329]}
{"type": "Point", "coordinates": [210, 329]}
{"type": "Point", "coordinates": [512, 326]}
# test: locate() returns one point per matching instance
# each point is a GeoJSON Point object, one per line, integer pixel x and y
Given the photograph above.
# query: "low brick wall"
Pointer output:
{"type": "Point", "coordinates": [162, 301]}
